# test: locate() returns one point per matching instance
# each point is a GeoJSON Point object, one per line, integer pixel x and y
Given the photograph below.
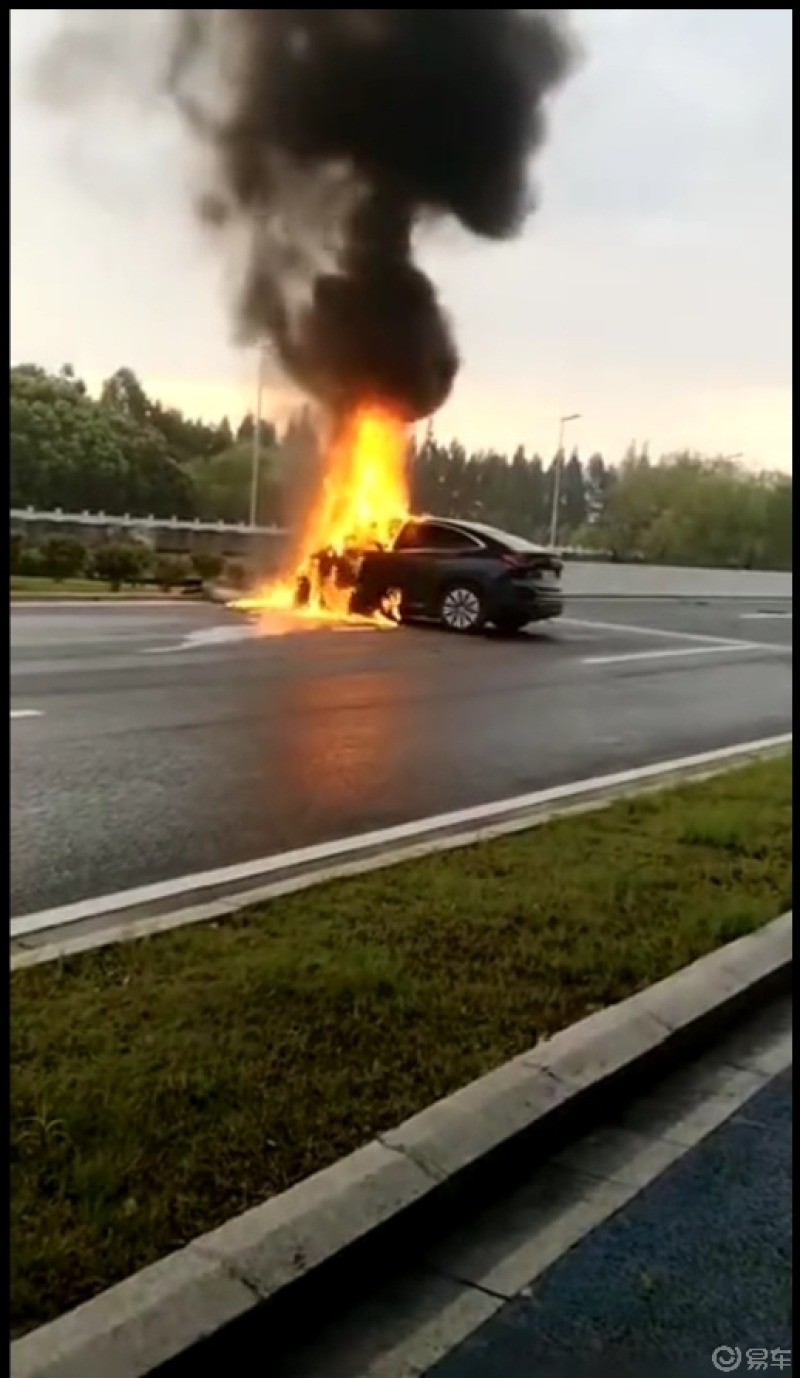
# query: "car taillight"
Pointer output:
{"type": "Point", "coordinates": [515, 561]}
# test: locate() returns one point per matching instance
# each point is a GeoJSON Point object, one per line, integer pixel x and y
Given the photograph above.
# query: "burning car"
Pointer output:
{"type": "Point", "coordinates": [462, 575]}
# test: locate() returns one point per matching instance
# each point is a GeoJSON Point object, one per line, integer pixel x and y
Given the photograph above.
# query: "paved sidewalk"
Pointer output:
{"type": "Point", "coordinates": [636, 1252]}
{"type": "Point", "coordinates": [697, 1265]}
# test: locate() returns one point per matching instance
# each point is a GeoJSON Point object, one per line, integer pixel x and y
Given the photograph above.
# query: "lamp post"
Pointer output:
{"type": "Point", "coordinates": [256, 461]}
{"type": "Point", "coordinates": [558, 470]}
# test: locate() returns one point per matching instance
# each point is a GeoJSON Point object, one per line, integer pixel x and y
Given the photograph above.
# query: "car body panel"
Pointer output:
{"type": "Point", "coordinates": [517, 582]}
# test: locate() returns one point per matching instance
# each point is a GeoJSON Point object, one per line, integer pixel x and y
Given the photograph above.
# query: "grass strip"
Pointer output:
{"type": "Point", "coordinates": [27, 588]}
{"type": "Point", "coordinates": [161, 1086]}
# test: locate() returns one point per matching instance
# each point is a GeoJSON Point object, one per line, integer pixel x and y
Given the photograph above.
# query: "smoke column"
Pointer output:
{"type": "Point", "coordinates": [333, 136]}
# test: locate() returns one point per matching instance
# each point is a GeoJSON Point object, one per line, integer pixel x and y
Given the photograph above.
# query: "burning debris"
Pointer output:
{"type": "Point", "coordinates": [332, 137]}
{"type": "Point", "coordinates": [364, 498]}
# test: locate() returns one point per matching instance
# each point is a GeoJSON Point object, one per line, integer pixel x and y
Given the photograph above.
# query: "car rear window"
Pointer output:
{"type": "Point", "coordinates": [432, 536]}
{"type": "Point", "coordinates": [506, 539]}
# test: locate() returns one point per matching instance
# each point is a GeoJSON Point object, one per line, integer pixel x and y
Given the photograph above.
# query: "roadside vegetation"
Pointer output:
{"type": "Point", "coordinates": [161, 1086]}
{"type": "Point", "coordinates": [125, 452]}
{"type": "Point", "coordinates": [64, 566]}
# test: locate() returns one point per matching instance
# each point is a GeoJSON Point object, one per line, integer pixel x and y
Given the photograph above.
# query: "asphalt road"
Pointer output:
{"type": "Point", "coordinates": [692, 1278]}
{"type": "Point", "coordinates": [152, 742]}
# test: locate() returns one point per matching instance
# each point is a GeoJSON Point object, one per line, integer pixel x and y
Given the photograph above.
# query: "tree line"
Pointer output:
{"type": "Point", "coordinates": [125, 452]}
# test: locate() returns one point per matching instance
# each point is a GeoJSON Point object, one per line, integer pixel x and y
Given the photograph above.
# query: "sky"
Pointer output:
{"type": "Point", "coordinates": [651, 291]}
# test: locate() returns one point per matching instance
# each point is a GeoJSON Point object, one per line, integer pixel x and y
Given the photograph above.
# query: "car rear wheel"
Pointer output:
{"type": "Point", "coordinates": [461, 609]}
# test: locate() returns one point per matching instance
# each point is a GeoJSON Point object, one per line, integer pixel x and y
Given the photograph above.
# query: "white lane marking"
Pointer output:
{"type": "Point", "coordinates": [702, 638]}
{"type": "Point", "coordinates": [383, 838]}
{"type": "Point", "coordinates": [275, 624]}
{"type": "Point", "coordinates": [765, 616]}
{"type": "Point", "coordinates": [26, 713]}
{"type": "Point", "coordinates": [672, 653]}
{"type": "Point", "coordinates": [206, 636]}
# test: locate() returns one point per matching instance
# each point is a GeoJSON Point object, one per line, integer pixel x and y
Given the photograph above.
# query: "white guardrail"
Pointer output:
{"type": "Point", "coordinates": [582, 578]}
{"type": "Point", "coordinates": [151, 523]}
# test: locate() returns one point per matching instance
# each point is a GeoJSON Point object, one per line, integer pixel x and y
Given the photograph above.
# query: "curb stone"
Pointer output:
{"type": "Point", "coordinates": [272, 1254]}
{"type": "Point", "coordinates": [71, 929]}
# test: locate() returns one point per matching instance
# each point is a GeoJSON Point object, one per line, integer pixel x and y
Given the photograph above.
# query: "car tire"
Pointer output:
{"type": "Point", "coordinates": [461, 609]}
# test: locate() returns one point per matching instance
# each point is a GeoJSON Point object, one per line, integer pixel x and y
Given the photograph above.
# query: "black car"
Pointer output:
{"type": "Point", "coordinates": [463, 575]}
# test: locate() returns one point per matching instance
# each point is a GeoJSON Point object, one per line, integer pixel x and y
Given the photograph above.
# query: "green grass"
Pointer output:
{"type": "Point", "coordinates": [161, 1086]}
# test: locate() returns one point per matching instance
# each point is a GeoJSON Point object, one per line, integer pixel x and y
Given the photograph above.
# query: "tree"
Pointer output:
{"type": "Point", "coordinates": [573, 494]}
{"type": "Point", "coordinates": [123, 393]}
{"type": "Point", "coordinates": [244, 432]}
{"type": "Point", "coordinates": [599, 483]}
{"type": "Point", "coordinates": [121, 562]}
{"type": "Point", "coordinates": [129, 453]}
{"type": "Point", "coordinates": [70, 452]}
{"type": "Point", "coordinates": [778, 521]}
{"type": "Point", "coordinates": [687, 509]}
{"type": "Point", "coordinates": [222, 486]}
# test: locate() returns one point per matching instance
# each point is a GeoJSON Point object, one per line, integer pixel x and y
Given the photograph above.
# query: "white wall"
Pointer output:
{"type": "Point", "coordinates": [585, 578]}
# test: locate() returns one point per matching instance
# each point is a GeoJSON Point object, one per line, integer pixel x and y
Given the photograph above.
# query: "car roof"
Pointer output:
{"type": "Point", "coordinates": [480, 529]}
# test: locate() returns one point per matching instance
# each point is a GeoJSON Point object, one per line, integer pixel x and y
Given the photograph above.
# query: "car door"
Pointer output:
{"type": "Point", "coordinates": [421, 557]}
{"type": "Point", "coordinates": [398, 568]}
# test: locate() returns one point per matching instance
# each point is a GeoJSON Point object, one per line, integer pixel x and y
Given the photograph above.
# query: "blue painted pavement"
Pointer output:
{"type": "Point", "coordinates": [698, 1262]}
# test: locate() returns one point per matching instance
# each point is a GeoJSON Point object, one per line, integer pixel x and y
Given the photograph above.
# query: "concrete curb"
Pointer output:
{"type": "Point", "coordinates": [278, 1252]}
{"type": "Point", "coordinates": [55, 934]}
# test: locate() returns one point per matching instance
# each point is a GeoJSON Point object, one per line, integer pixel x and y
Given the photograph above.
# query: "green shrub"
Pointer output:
{"type": "Point", "coordinates": [237, 574]}
{"type": "Point", "coordinates": [207, 565]}
{"type": "Point", "coordinates": [63, 557]}
{"type": "Point", "coordinates": [16, 547]}
{"type": "Point", "coordinates": [28, 559]}
{"type": "Point", "coordinates": [171, 571]}
{"type": "Point", "coordinates": [121, 562]}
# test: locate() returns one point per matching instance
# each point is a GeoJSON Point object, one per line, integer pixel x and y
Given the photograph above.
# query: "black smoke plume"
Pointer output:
{"type": "Point", "coordinates": [335, 135]}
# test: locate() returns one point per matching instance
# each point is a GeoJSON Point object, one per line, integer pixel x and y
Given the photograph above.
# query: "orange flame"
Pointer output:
{"type": "Point", "coordinates": [364, 498]}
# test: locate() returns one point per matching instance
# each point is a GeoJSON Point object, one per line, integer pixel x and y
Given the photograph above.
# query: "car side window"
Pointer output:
{"type": "Point", "coordinates": [447, 538]}
{"type": "Point", "coordinates": [432, 536]}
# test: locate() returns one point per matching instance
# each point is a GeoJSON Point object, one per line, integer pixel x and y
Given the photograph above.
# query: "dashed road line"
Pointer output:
{"type": "Point", "coordinates": [26, 713]}
{"type": "Point", "coordinates": [673, 653]}
{"type": "Point", "coordinates": [668, 634]}
{"type": "Point", "coordinates": [765, 617]}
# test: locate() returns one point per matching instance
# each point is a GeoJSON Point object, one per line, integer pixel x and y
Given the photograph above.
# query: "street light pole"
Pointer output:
{"type": "Point", "coordinates": [256, 462]}
{"type": "Point", "coordinates": [558, 471]}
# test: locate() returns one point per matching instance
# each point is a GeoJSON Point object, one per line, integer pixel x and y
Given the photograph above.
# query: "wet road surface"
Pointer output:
{"type": "Point", "coordinates": [149, 743]}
